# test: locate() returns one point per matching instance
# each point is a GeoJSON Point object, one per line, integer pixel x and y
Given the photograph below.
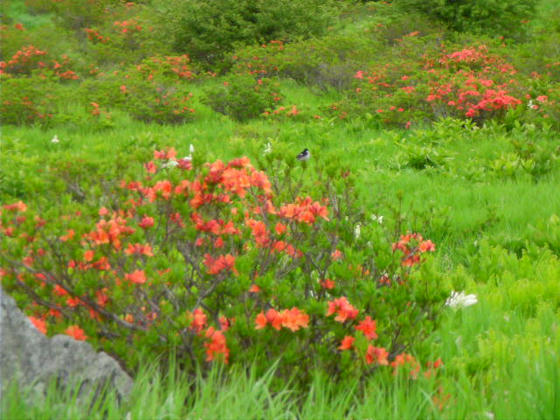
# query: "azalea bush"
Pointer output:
{"type": "Point", "coordinates": [221, 263]}
{"type": "Point", "coordinates": [153, 91]}
{"type": "Point", "coordinates": [243, 97]}
{"type": "Point", "coordinates": [468, 82]}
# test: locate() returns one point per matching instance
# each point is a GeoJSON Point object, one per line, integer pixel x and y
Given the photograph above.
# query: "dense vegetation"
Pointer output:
{"type": "Point", "coordinates": [230, 278]}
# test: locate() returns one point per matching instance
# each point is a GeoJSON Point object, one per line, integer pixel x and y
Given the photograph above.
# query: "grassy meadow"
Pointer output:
{"type": "Point", "coordinates": [486, 193]}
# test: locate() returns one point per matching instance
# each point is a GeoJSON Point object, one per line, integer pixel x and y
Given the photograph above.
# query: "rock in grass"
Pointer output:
{"type": "Point", "coordinates": [34, 360]}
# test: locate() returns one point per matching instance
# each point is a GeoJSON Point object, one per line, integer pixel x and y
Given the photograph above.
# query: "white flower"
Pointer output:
{"type": "Point", "coordinates": [268, 148]}
{"type": "Point", "coordinates": [191, 149]}
{"type": "Point", "coordinates": [170, 164]}
{"type": "Point", "coordinates": [460, 300]}
{"type": "Point", "coordinates": [357, 231]}
{"type": "Point", "coordinates": [378, 219]}
{"type": "Point", "coordinates": [55, 139]}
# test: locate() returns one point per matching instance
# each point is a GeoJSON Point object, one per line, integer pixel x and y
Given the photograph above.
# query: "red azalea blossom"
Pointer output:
{"type": "Point", "coordinates": [377, 355]}
{"type": "Point", "coordinates": [137, 277]}
{"type": "Point", "coordinates": [39, 323]}
{"type": "Point", "coordinates": [76, 333]}
{"type": "Point", "coordinates": [217, 345]}
{"type": "Point", "coordinates": [342, 308]}
{"type": "Point", "coordinates": [368, 327]}
{"type": "Point", "coordinates": [199, 320]}
{"type": "Point", "coordinates": [347, 343]}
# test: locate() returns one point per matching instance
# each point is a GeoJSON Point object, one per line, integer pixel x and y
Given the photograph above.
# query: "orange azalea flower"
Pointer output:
{"type": "Point", "coordinates": [39, 323]}
{"type": "Point", "coordinates": [260, 321]}
{"type": "Point", "coordinates": [336, 255]}
{"type": "Point", "coordinates": [75, 332]}
{"type": "Point", "coordinates": [343, 309]}
{"type": "Point", "coordinates": [254, 289]}
{"type": "Point", "coordinates": [327, 284]}
{"type": "Point", "coordinates": [129, 318]}
{"type": "Point", "coordinates": [73, 301]}
{"type": "Point", "coordinates": [139, 249]}
{"type": "Point", "coordinates": [260, 180]}
{"type": "Point", "coordinates": [280, 228]}
{"type": "Point", "coordinates": [88, 255]}
{"type": "Point", "coordinates": [198, 320]}
{"type": "Point", "coordinates": [146, 222]}
{"type": "Point", "coordinates": [217, 265]}
{"type": "Point", "coordinates": [427, 246]}
{"type": "Point", "coordinates": [19, 206]}
{"type": "Point", "coordinates": [59, 290]}
{"type": "Point", "coordinates": [137, 277]}
{"type": "Point", "coordinates": [102, 298]}
{"type": "Point", "coordinates": [347, 343]}
{"type": "Point", "coordinates": [294, 319]}
{"type": "Point", "coordinates": [170, 153]}
{"type": "Point", "coordinates": [225, 323]}
{"type": "Point", "coordinates": [217, 345]}
{"type": "Point", "coordinates": [368, 327]}
{"type": "Point", "coordinates": [377, 355]}
{"type": "Point", "coordinates": [404, 358]}
{"type": "Point", "coordinates": [69, 235]}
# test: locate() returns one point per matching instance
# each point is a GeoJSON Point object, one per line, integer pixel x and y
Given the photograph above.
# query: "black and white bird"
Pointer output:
{"type": "Point", "coordinates": [305, 155]}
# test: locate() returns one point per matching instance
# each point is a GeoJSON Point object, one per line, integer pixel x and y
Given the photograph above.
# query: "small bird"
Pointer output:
{"type": "Point", "coordinates": [305, 155]}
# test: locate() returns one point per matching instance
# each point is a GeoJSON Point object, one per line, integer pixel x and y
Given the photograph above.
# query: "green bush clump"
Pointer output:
{"type": "Point", "coordinates": [506, 17]}
{"type": "Point", "coordinates": [207, 31]}
{"type": "Point", "coordinates": [156, 90]}
{"type": "Point", "coordinates": [243, 97]}
{"type": "Point", "coordinates": [220, 263]}
{"type": "Point", "coordinates": [28, 101]}
{"type": "Point", "coordinates": [325, 62]}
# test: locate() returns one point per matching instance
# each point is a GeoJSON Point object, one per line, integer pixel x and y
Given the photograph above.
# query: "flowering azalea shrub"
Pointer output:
{"type": "Point", "coordinates": [243, 97]}
{"type": "Point", "coordinates": [220, 263]}
{"type": "Point", "coordinates": [469, 83]}
{"type": "Point", "coordinates": [30, 58]}
{"type": "Point", "coordinates": [153, 91]}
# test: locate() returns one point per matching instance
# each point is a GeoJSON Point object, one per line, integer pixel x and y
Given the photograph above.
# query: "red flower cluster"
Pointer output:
{"type": "Point", "coordinates": [412, 246]}
{"type": "Point", "coordinates": [342, 308]}
{"type": "Point", "coordinates": [292, 319]}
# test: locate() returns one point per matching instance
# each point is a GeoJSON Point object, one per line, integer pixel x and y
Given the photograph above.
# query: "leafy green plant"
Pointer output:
{"type": "Point", "coordinates": [243, 97]}
{"type": "Point", "coordinates": [207, 31]}
{"type": "Point", "coordinates": [507, 17]}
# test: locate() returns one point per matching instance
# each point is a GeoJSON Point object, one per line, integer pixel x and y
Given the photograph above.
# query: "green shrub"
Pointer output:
{"type": "Point", "coordinates": [326, 62]}
{"type": "Point", "coordinates": [243, 97]}
{"type": "Point", "coordinates": [28, 101]}
{"type": "Point", "coordinates": [207, 31]}
{"type": "Point", "coordinates": [218, 262]}
{"type": "Point", "coordinates": [505, 17]}
{"type": "Point", "coordinates": [152, 91]}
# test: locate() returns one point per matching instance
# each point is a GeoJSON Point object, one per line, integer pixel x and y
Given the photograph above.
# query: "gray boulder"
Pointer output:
{"type": "Point", "coordinates": [32, 359]}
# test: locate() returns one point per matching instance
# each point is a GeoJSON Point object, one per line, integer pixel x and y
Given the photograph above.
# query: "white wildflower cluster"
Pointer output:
{"type": "Point", "coordinates": [377, 219]}
{"type": "Point", "coordinates": [460, 300]}
{"type": "Point", "coordinates": [357, 231]}
{"type": "Point", "coordinates": [55, 139]}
